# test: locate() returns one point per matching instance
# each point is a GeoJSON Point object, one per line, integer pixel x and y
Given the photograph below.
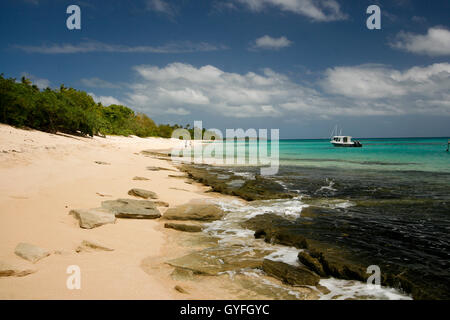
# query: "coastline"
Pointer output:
{"type": "Point", "coordinates": [44, 176]}
{"type": "Point", "coordinates": [54, 174]}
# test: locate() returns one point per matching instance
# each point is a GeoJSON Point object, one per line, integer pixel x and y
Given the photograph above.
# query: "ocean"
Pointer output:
{"type": "Point", "coordinates": [385, 204]}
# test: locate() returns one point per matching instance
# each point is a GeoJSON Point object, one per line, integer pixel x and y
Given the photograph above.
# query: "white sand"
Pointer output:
{"type": "Point", "coordinates": [43, 176]}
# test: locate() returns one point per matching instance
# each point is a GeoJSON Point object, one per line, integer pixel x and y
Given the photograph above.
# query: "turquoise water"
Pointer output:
{"type": "Point", "coordinates": [418, 154]}
{"type": "Point", "coordinates": [395, 202]}
{"type": "Point", "coordinates": [391, 154]}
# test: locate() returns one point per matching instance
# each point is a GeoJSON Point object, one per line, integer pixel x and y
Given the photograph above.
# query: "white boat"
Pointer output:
{"type": "Point", "coordinates": [345, 141]}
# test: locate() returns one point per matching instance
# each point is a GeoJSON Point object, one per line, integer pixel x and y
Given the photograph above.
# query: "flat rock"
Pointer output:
{"type": "Point", "coordinates": [140, 178]}
{"type": "Point", "coordinates": [102, 163]}
{"type": "Point", "coordinates": [181, 274]}
{"type": "Point", "coordinates": [215, 260]}
{"type": "Point", "coordinates": [30, 252]}
{"type": "Point", "coordinates": [91, 246]}
{"type": "Point", "coordinates": [197, 211]}
{"type": "Point", "coordinates": [92, 218]}
{"type": "Point", "coordinates": [289, 274]}
{"type": "Point", "coordinates": [142, 193]}
{"type": "Point", "coordinates": [153, 168]}
{"type": "Point", "coordinates": [183, 227]}
{"type": "Point", "coordinates": [16, 269]}
{"type": "Point", "coordinates": [177, 176]}
{"type": "Point", "coordinates": [132, 209]}
{"type": "Point", "coordinates": [161, 204]}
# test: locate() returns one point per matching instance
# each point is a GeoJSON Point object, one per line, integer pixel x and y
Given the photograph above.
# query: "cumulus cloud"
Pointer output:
{"type": "Point", "coordinates": [268, 43]}
{"type": "Point", "coordinates": [95, 46]}
{"type": "Point", "coordinates": [436, 42]}
{"type": "Point", "coordinates": [316, 10]}
{"type": "Point", "coordinates": [162, 7]}
{"type": "Point", "coordinates": [181, 89]}
{"type": "Point", "coordinates": [105, 100]}
{"type": "Point", "coordinates": [379, 81]}
{"type": "Point", "coordinates": [39, 82]}
{"type": "Point", "coordinates": [98, 83]}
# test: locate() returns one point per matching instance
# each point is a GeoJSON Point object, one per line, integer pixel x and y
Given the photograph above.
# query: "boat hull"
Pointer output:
{"type": "Point", "coordinates": [347, 145]}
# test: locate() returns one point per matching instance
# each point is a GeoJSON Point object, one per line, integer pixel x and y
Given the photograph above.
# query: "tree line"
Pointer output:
{"type": "Point", "coordinates": [23, 104]}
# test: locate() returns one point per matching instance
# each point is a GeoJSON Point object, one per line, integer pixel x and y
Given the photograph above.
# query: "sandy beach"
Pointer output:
{"type": "Point", "coordinates": [44, 176]}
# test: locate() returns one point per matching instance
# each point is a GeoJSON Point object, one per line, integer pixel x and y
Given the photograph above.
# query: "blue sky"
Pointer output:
{"type": "Point", "coordinates": [302, 66]}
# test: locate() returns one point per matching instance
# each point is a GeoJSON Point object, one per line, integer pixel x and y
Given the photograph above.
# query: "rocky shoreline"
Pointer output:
{"type": "Point", "coordinates": [323, 258]}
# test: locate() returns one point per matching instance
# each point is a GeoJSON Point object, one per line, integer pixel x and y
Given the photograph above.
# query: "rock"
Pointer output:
{"type": "Point", "coordinates": [235, 183]}
{"type": "Point", "coordinates": [183, 227]}
{"type": "Point", "coordinates": [102, 194]}
{"type": "Point", "coordinates": [271, 290]}
{"type": "Point", "coordinates": [312, 263]}
{"type": "Point", "coordinates": [273, 229]}
{"type": "Point", "coordinates": [161, 204]}
{"type": "Point", "coordinates": [292, 275]}
{"type": "Point", "coordinates": [142, 193]}
{"type": "Point", "coordinates": [219, 179]}
{"type": "Point", "coordinates": [133, 209]}
{"type": "Point", "coordinates": [338, 265]}
{"type": "Point", "coordinates": [152, 168]}
{"type": "Point", "coordinates": [215, 260]}
{"type": "Point", "coordinates": [15, 269]}
{"type": "Point", "coordinates": [140, 178]}
{"type": "Point", "coordinates": [92, 218]}
{"type": "Point", "coordinates": [180, 289]}
{"type": "Point", "coordinates": [181, 274]}
{"type": "Point", "coordinates": [91, 246]}
{"type": "Point", "coordinates": [197, 211]}
{"type": "Point", "coordinates": [103, 163]}
{"type": "Point", "coordinates": [30, 252]}
{"type": "Point", "coordinates": [160, 154]}
{"type": "Point", "coordinates": [177, 176]}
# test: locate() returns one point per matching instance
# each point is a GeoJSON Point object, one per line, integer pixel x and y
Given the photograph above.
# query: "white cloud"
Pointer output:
{"type": "Point", "coordinates": [181, 89]}
{"type": "Point", "coordinates": [382, 82]}
{"type": "Point", "coordinates": [436, 42]}
{"type": "Point", "coordinates": [161, 6]}
{"type": "Point", "coordinates": [39, 82]}
{"type": "Point", "coordinates": [95, 46]}
{"type": "Point", "coordinates": [268, 43]}
{"type": "Point", "coordinates": [98, 83]}
{"type": "Point", "coordinates": [105, 100]}
{"type": "Point", "coordinates": [317, 10]}
{"type": "Point", "coordinates": [178, 111]}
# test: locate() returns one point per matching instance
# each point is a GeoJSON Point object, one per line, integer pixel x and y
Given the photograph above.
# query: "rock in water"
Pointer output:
{"type": "Point", "coordinates": [295, 276]}
{"type": "Point", "coordinates": [215, 260]}
{"type": "Point", "coordinates": [183, 227]}
{"type": "Point", "coordinates": [92, 218]}
{"type": "Point", "coordinates": [30, 252]}
{"type": "Point", "coordinates": [15, 269]}
{"type": "Point", "coordinates": [201, 212]}
{"type": "Point", "coordinates": [142, 193]}
{"type": "Point", "coordinates": [133, 209]}
{"type": "Point", "coordinates": [312, 263]}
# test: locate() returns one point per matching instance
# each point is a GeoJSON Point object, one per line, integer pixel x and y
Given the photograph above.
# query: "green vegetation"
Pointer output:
{"type": "Point", "coordinates": [68, 110]}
